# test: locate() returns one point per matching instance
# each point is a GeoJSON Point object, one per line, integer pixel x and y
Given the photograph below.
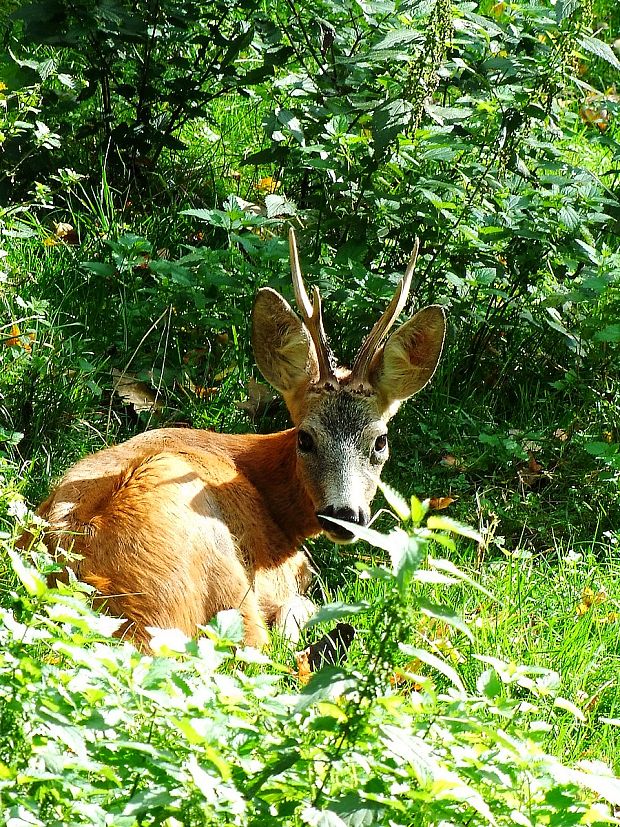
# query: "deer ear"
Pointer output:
{"type": "Point", "coordinates": [283, 348]}
{"type": "Point", "coordinates": [408, 359]}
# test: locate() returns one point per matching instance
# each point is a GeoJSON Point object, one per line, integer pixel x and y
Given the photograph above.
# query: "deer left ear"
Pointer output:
{"type": "Point", "coordinates": [408, 359]}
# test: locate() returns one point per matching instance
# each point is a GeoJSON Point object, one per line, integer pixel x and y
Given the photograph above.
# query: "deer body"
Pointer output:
{"type": "Point", "coordinates": [176, 524]}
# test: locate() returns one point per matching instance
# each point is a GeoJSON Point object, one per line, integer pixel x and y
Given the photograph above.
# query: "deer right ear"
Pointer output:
{"type": "Point", "coordinates": [283, 347]}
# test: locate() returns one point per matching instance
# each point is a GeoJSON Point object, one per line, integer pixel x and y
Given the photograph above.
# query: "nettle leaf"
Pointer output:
{"type": "Point", "coordinates": [99, 268]}
{"type": "Point", "coordinates": [600, 49]}
{"type": "Point", "coordinates": [396, 502]}
{"type": "Point", "coordinates": [444, 614]}
{"type": "Point", "coordinates": [337, 610]}
{"type": "Point", "coordinates": [448, 567]}
{"type": "Point", "coordinates": [448, 524]}
{"type": "Point", "coordinates": [356, 811]}
{"type": "Point", "coordinates": [29, 577]}
{"type": "Point", "coordinates": [321, 818]}
{"type": "Point", "coordinates": [228, 626]}
{"type": "Point", "coordinates": [388, 120]}
{"type": "Point", "coordinates": [329, 683]}
{"type": "Point", "coordinates": [434, 662]}
{"type": "Point", "coordinates": [397, 37]}
{"type": "Point", "coordinates": [489, 684]}
{"type": "Point", "coordinates": [610, 333]}
{"type": "Point", "coordinates": [216, 218]}
{"type": "Point", "coordinates": [565, 9]}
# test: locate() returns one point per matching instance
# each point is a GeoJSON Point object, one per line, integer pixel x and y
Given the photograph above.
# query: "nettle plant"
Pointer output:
{"type": "Point", "coordinates": [206, 732]}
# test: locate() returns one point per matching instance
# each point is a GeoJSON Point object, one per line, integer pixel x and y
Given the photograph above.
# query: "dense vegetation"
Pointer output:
{"type": "Point", "coordinates": [152, 156]}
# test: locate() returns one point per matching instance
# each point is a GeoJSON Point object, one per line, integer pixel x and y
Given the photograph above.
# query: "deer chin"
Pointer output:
{"type": "Point", "coordinates": [340, 539]}
{"type": "Point", "coordinates": [336, 533]}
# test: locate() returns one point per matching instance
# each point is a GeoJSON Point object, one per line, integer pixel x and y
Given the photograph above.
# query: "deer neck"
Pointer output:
{"type": "Point", "coordinates": [271, 465]}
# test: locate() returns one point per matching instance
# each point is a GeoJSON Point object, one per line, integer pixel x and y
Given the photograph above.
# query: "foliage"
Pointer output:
{"type": "Point", "coordinates": [201, 732]}
{"type": "Point", "coordinates": [488, 130]}
{"type": "Point", "coordinates": [139, 71]}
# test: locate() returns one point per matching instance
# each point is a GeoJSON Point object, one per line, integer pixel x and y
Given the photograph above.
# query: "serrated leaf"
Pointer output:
{"type": "Point", "coordinates": [437, 521]}
{"type": "Point", "coordinates": [434, 662]}
{"type": "Point", "coordinates": [448, 566]}
{"type": "Point", "coordinates": [337, 610]}
{"type": "Point", "coordinates": [489, 684]}
{"type": "Point", "coordinates": [356, 811]}
{"type": "Point", "coordinates": [418, 509]}
{"type": "Point", "coordinates": [610, 333]}
{"type": "Point", "coordinates": [28, 576]}
{"type": "Point", "coordinates": [321, 818]}
{"type": "Point", "coordinates": [445, 615]}
{"type": "Point", "coordinates": [569, 706]}
{"type": "Point", "coordinates": [600, 49]}
{"type": "Point", "coordinates": [564, 9]}
{"type": "Point", "coordinates": [393, 542]}
{"type": "Point", "coordinates": [396, 502]}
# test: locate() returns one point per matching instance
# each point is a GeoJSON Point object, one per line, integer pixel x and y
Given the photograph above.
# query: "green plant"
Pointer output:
{"type": "Point", "coordinates": [199, 732]}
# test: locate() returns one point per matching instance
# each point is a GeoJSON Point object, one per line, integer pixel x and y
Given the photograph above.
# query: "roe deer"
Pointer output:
{"type": "Point", "coordinates": [177, 524]}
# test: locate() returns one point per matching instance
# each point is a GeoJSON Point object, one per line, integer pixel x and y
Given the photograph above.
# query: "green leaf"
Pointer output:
{"type": "Point", "coordinates": [446, 615]}
{"type": "Point", "coordinates": [565, 9]}
{"type": "Point", "coordinates": [436, 521]}
{"type": "Point", "coordinates": [610, 333]}
{"type": "Point", "coordinates": [449, 567]}
{"type": "Point", "coordinates": [418, 509]}
{"type": "Point", "coordinates": [99, 268]}
{"type": "Point", "coordinates": [328, 683]}
{"type": "Point", "coordinates": [29, 577]}
{"type": "Point", "coordinates": [434, 662]}
{"type": "Point", "coordinates": [600, 49]}
{"type": "Point", "coordinates": [321, 818]}
{"type": "Point", "coordinates": [356, 811]}
{"type": "Point", "coordinates": [395, 501]}
{"type": "Point", "coordinates": [489, 684]}
{"type": "Point", "coordinates": [569, 706]}
{"type": "Point", "coordinates": [336, 610]}
{"type": "Point", "coordinates": [228, 626]}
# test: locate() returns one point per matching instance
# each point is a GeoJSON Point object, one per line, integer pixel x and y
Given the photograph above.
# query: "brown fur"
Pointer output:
{"type": "Point", "coordinates": [175, 525]}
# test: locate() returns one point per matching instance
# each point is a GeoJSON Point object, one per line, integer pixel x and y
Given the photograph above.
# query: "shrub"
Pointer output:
{"type": "Point", "coordinates": [201, 732]}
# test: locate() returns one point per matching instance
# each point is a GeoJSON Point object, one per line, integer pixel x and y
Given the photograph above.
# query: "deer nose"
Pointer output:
{"type": "Point", "coordinates": [350, 515]}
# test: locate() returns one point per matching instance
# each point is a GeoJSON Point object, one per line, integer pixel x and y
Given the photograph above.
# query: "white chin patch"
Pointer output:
{"type": "Point", "coordinates": [339, 540]}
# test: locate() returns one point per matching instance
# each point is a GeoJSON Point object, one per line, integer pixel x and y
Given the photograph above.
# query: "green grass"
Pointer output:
{"type": "Point", "coordinates": [548, 539]}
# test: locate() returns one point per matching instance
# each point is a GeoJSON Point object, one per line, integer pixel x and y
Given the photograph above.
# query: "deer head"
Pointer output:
{"type": "Point", "coordinates": [341, 415]}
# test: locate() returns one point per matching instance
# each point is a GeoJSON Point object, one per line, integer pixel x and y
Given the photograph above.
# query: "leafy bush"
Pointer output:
{"type": "Point", "coordinates": [201, 732]}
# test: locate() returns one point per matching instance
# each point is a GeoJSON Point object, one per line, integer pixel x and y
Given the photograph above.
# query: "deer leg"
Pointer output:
{"type": "Point", "coordinates": [280, 592]}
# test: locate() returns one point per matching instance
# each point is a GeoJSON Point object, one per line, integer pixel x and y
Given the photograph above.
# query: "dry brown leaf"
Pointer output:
{"type": "Point", "coordinates": [533, 473]}
{"type": "Point", "coordinates": [331, 649]}
{"type": "Point", "coordinates": [267, 185]}
{"type": "Point", "coordinates": [66, 232]}
{"type": "Point", "coordinates": [439, 503]}
{"type": "Point", "coordinates": [590, 598]}
{"type": "Point", "coordinates": [134, 392]}
{"type": "Point", "coordinates": [597, 116]}
{"type": "Point", "coordinates": [18, 339]}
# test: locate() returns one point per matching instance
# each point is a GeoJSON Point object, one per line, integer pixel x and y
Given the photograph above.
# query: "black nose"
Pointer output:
{"type": "Point", "coordinates": [359, 517]}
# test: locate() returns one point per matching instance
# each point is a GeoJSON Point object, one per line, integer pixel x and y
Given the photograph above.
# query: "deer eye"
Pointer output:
{"type": "Point", "coordinates": [381, 443]}
{"type": "Point", "coordinates": [305, 443]}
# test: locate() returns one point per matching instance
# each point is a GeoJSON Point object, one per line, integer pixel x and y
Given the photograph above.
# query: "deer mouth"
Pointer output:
{"type": "Point", "coordinates": [336, 533]}
{"type": "Point", "coordinates": [331, 519]}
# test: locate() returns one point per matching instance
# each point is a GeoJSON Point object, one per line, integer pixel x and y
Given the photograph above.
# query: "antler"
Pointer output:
{"type": "Point", "coordinates": [312, 316]}
{"type": "Point", "coordinates": [359, 372]}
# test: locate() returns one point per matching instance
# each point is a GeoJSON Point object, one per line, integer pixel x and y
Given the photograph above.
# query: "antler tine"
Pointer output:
{"type": "Point", "coordinates": [311, 314]}
{"type": "Point", "coordinates": [359, 372]}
